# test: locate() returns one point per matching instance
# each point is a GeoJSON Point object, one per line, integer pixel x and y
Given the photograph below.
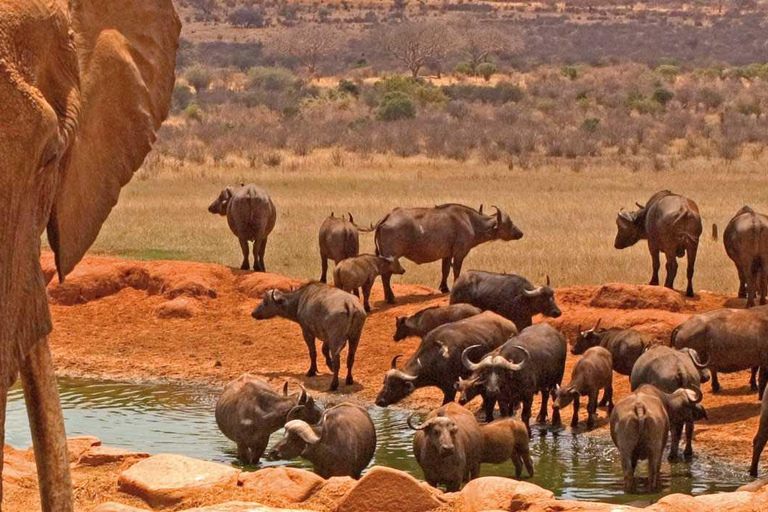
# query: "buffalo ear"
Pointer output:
{"type": "Point", "coordinates": [127, 54]}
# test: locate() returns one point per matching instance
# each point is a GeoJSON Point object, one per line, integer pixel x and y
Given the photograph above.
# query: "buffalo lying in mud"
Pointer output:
{"type": "Point", "coordinates": [249, 411]}
{"type": "Point", "coordinates": [448, 446]}
{"type": "Point", "coordinates": [671, 223]}
{"type": "Point", "coordinates": [339, 239]}
{"type": "Point", "coordinates": [342, 443]}
{"type": "Point", "coordinates": [731, 339]}
{"type": "Point", "coordinates": [334, 316]}
{"type": "Point", "coordinates": [422, 322]}
{"type": "Point", "coordinates": [251, 217]}
{"type": "Point", "coordinates": [438, 360]}
{"type": "Point", "coordinates": [509, 295]}
{"type": "Point", "coordinates": [669, 369]}
{"type": "Point", "coordinates": [592, 373]}
{"type": "Point", "coordinates": [625, 345]}
{"type": "Point", "coordinates": [639, 429]}
{"type": "Point", "coordinates": [446, 232]}
{"type": "Point", "coordinates": [531, 362]}
{"type": "Point", "coordinates": [746, 243]}
{"type": "Point", "coordinates": [359, 272]}
{"type": "Point", "coordinates": [761, 437]}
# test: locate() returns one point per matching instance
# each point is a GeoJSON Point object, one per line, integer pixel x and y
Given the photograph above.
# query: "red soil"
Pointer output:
{"type": "Point", "coordinates": [190, 322]}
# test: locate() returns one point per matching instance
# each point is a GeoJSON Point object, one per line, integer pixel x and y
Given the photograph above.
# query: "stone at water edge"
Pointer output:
{"type": "Point", "coordinates": [497, 493]}
{"type": "Point", "coordinates": [576, 506]}
{"type": "Point", "coordinates": [166, 479]}
{"type": "Point", "coordinates": [240, 506]}
{"type": "Point", "coordinates": [737, 501]}
{"type": "Point", "coordinates": [388, 489]}
{"type": "Point", "coordinates": [78, 445]}
{"type": "Point", "coordinates": [100, 455]}
{"type": "Point", "coordinates": [757, 485]}
{"type": "Point", "coordinates": [111, 506]}
{"type": "Point", "coordinates": [294, 485]}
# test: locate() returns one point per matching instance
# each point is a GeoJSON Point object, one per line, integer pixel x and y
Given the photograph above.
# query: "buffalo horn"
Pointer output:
{"type": "Point", "coordinates": [468, 364]}
{"type": "Point", "coordinates": [695, 358]}
{"type": "Point", "coordinates": [285, 389]}
{"type": "Point", "coordinates": [303, 430]}
{"type": "Point", "coordinates": [394, 361]}
{"type": "Point", "coordinates": [698, 395]}
{"type": "Point", "coordinates": [509, 365]}
{"type": "Point", "coordinates": [415, 427]}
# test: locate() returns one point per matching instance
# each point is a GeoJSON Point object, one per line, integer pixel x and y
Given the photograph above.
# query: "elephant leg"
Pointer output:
{"type": "Point", "coordinates": [46, 422]}
{"type": "Point", "coordinates": [692, 250]}
{"type": "Point", "coordinates": [246, 253]}
{"type": "Point", "coordinates": [446, 271]}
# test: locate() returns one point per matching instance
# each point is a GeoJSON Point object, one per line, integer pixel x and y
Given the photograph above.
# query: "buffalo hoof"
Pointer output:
{"type": "Point", "coordinates": [245, 266]}
{"type": "Point", "coordinates": [541, 419]}
{"type": "Point", "coordinates": [715, 389]}
{"type": "Point", "coordinates": [689, 294]}
{"type": "Point", "coordinates": [672, 457]}
{"type": "Point", "coordinates": [444, 289]}
{"type": "Point", "coordinates": [334, 386]}
{"type": "Point", "coordinates": [390, 300]}
{"type": "Point", "coordinates": [349, 380]}
{"type": "Point", "coordinates": [574, 424]}
{"type": "Point", "coordinates": [753, 387]}
{"type": "Point", "coordinates": [590, 424]}
{"type": "Point", "coordinates": [753, 471]}
{"type": "Point", "coordinates": [312, 372]}
{"type": "Point", "coordinates": [688, 455]}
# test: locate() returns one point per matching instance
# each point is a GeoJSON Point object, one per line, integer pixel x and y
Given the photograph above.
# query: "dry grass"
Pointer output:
{"type": "Point", "coordinates": [566, 211]}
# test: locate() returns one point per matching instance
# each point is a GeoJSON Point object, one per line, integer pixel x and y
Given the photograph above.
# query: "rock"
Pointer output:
{"type": "Point", "coordinates": [165, 479]}
{"type": "Point", "coordinates": [736, 501]}
{"type": "Point", "coordinates": [624, 296]}
{"type": "Point", "coordinates": [573, 506]}
{"type": "Point", "coordinates": [294, 485]}
{"type": "Point", "coordinates": [256, 284]}
{"type": "Point", "coordinates": [78, 445]}
{"type": "Point", "coordinates": [100, 455]}
{"type": "Point", "coordinates": [239, 506]}
{"type": "Point", "coordinates": [111, 506]}
{"type": "Point", "coordinates": [18, 465]}
{"type": "Point", "coordinates": [495, 492]}
{"type": "Point", "coordinates": [388, 489]}
{"type": "Point", "coordinates": [180, 307]}
{"type": "Point", "coordinates": [330, 494]}
{"type": "Point", "coordinates": [755, 486]}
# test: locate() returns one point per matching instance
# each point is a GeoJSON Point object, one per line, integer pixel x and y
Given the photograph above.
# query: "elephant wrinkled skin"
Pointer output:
{"type": "Point", "coordinates": [84, 86]}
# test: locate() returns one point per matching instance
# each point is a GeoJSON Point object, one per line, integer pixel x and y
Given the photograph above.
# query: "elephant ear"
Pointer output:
{"type": "Point", "coordinates": [127, 55]}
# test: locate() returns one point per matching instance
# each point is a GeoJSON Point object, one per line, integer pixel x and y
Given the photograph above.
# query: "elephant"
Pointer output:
{"type": "Point", "coordinates": [84, 87]}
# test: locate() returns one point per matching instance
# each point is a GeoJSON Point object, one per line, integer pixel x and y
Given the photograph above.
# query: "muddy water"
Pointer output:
{"type": "Point", "coordinates": [175, 419]}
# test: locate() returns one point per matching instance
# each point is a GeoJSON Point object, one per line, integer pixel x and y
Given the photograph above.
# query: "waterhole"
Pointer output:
{"type": "Point", "coordinates": [179, 419]}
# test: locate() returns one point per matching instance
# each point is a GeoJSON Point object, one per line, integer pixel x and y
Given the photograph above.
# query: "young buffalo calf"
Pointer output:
{"type": "Point", "coordinates": [424, 321]}
{"type": "Point", "coordinates": [361, 272]}
{"type": "Point", "coordinates": [505, 439]}
{"type": "Point", "coordinates": [592, 373]}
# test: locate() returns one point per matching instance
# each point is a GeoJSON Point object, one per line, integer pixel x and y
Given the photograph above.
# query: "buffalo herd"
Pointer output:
{"type": "Point", "coordinates": [484, 344]}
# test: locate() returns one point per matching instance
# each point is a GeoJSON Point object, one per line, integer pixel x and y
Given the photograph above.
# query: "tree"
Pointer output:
{"type": "Point", "coordinates": [417, 43]}
{"type": "Point", "coordinates": [481, 40]}
{"type": "Point", "coordinates": [307, 44]}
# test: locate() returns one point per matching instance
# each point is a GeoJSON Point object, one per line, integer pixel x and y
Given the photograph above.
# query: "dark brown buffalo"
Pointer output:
{"type": "Point", "coordinates": [592, 373]}
{"type": "Point", "coordinates": [730, 339]}
{"type": "Point", "coordinates": [446, 232]}
{"type": "Point", "coordinates": [639, 429]}
{"type": "Point", "coordinates": [683, 409]}
{"type": "Point", "coordinates": [746, 243]}
{"type": "Point", "coordinates": [625, 345]}
{"type": "Point", "coordinates": [339, 239]}
{"type": "Point", "coordinates": [510, 295]}
{"type": "Point", "coordinates": [334, 316]}
{"type": "Point", "coordinates": [422, 322]}
{"type": "Point", "coordinates": [249, 411]}
{"type": "Point", "coordinates": [341, 444]}
{"type": "Point", "coordinates": [671, 223]}
{"type": "Point", "coordinates": [438, 360]}
{"type": "Point", "coordinates": [251, 217]}
{"type": "Point", "coordinates": [359, 272]}
{"type": "Point", "coordinates": [669, 369]}
{"type": "Point", "coordinates": [505, 439]}
{"type": "Point", "coordinates": [448, 446]}
{"type": "Point", "coordinates": [761, 436]}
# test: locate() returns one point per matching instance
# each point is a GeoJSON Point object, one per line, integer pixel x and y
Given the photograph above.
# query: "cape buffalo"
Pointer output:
{"type": "Point", "coordinates": [448, 446]}
{"type": "Point", "coordinates": [509, 295]}
{"type": "Point", "coordinates": [339, 239]}
{"type": "Point", "coordinates": [341, 444]}
{"type": "Point", "coordinates": [334, 316]}
{"type": "Point", "coordinates": [672, 225]}
{"type": "Point", "coordinates": [505, 439]}
{"type": "Point", "coordinates": [669, 369]}
{"type": "Point", "coordinates": [625, 345]}
{"type": "Point", "coordinates": [361, 271]}
{"type": "Point", "coordinates": [731, 339]}
{"type": "Point", "coordinates": [420, 323]}
{"type": "Point", "coordinates": [437, 361]}
{"type": "Point", "coordinates": [531, 362]}
{"type": "Point", "coordinates": [446, 232]}
{"type": "Point", "coordinates": [746, 243]}
{"type": "Point", "coordinates": [761, 436]}
{"type": "Point", "coordinates": [639, 429]}
{"type": "Point", "coordinates": [251, 217]}
{"type": "Point", "coordinates": [249, 411]}
{"type": "Point", "coordinates": [591, 373]}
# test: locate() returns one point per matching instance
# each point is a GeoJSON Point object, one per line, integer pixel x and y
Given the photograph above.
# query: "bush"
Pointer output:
{"type": "Point", "coordinates": [662, 96]}
{"type": "Point", "coordinates": [667, 71]}
{"type": "Point", "coordinates": [194, 113]}
{"type": "Point", "coordinates": [464, 68]}
{"type": "Point", "coordinates": [590, 124]}
{"type": "Point", "coordinates": [200, 77]}
{"type": "Point", "coordinates": [349, 87]}
{"type": "Point", "coordinates": [248, 17]}
{"type": "Point", "coordinates": [395, 106]}
{"type": "Point", "coordinates": [487, 70]}
{"type": "Point", "coordinates": [501, 93]}
{"type": "Point", "coordinates": [572, 72]}
{"type": "Point", "coordinates": [272, 79]}
{"type": "Point", "coordinates": [182, 97]}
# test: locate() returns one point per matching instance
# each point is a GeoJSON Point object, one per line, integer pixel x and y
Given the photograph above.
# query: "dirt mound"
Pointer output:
{"type": "Point", "coordinates": [624, 296]}
{"type": "Point", "coordinates": [255, 285]}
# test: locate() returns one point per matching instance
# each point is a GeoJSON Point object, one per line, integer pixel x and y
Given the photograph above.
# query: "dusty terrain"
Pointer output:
{"type": "Point", "coordinates": [190, 322]}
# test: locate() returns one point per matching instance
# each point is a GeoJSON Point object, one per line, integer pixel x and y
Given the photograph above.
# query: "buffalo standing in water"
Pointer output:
{"type": "Point", "coordinates": [671, 223]}
{"type": "Point", "coordinates": [746, 243]}
{"type": "Point", "coordinates": [446, 232]}
{"type": "Point", "coordinates": [251, 217]}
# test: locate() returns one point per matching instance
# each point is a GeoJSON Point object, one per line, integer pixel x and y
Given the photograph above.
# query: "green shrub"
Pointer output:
{"type": "Point", "coordinates": [464, 68]}
{"type": "Point", "coordinates": [487, 70]}
{"type": "Point", "coordinates": [349, 87]}
{"type": "Point", "coordinates": [272, 79]}
{"type": "Point", "coordinates": [710, 97]}
{"type": "Point", "coordinates": [590, 124]}
{"type": "Point", "coordinates": [395, 106]}
{"type": "Point", "coordinates": [668, 71]}
{"type": "Point", "coordinates": [194, 112]}
{"type": "Point", "coordinates": [182, 97]}
{"type": "Point", "coordinates": [199, 77]}
{"type": "Point", "coordinates": [571, 72]}
{"type": "Point", "coordinates": [662, 96]}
